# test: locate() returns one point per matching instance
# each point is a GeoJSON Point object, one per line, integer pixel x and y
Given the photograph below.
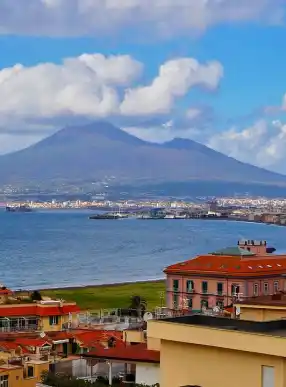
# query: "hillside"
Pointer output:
{"type": "Point", "coordinates": [98, 150]}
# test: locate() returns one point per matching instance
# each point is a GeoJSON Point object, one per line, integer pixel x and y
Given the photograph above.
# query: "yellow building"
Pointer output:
{"type": "Point", "coordinates": [209, 351]}
{"type": "Point", "coordinates": [22, 376]}
{"type": "Point", "coordinates": [264, 308]}
{"type": "Point", "coordinates": [38, 316]}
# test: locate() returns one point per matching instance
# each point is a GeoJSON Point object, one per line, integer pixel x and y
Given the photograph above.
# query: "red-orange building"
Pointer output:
{"type": "Point", "coordinates": [217, 279]}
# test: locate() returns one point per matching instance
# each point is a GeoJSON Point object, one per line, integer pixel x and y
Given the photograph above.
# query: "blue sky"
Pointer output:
{"type": "Point", "coordinates": [227, 108]}
{"type": "Point", "coordinates": [253, 58]}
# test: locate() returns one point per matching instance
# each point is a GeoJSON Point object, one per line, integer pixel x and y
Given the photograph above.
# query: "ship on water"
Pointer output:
{"type": "Point", "coordinates": [18, 208]}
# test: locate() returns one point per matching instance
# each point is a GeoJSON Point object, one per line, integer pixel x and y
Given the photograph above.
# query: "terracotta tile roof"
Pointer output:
{"type": "Point", "coordinates": [5, 291]}
{"type": "Point", "coordinates": [32, 342]}
{"type": "Point", "coordinates": [37, 310]}
{"type": "Point", "coordinates": [93, 337]}
{"type": "Point", "coordinates": [230, 265]}
{"type": "Point", "coordinates": [134, 353]}
{"type": "Point", "coordinates": [12, 346]}
{"type": "Point", "coordinates": [8, 345]}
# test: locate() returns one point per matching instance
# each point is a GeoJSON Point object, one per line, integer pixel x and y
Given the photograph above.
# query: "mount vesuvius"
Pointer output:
{"type": "Point", "coordinates": [97, 150]}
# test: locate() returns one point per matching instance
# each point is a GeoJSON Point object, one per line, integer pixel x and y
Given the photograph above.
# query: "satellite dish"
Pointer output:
{"type": "Point", "coordinates": [147, 316]}
{"type": "Point", "coordinates": [237, 310]}
{"type": "Point", "coordinates": [42, 335]}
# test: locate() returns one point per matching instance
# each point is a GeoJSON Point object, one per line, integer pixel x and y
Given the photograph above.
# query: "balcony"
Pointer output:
{"type": "Point", "coordinates": [19, 328]}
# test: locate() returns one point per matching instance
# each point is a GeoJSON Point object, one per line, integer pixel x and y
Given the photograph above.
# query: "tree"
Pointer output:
{"type": "Point", "coordinates": [139, 305]}
{"type": "Point", "coordinates": [36, 296]}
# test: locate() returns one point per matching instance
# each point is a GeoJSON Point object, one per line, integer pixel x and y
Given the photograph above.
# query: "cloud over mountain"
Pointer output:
{"type": "Point", "coordinates": [261, 144]}
{"type": "Point", "coordinates": [95, 86]}
{"type": "Point", "coordinates": [161, 17]}
{"type": "Point", "coordinates": [176, 77]}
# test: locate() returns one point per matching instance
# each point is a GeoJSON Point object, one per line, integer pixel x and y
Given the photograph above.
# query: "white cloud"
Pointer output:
{"type": "Point", "coordinates": [176, 77]}
{"type": "Point", "coordinates": [262, 144]}
{"type": "Point", "coordinates": [93, 86]}
{"type": "Point", "coordinates": [86, 85]}
{"type": "Point", "coordinates": [163, 17]}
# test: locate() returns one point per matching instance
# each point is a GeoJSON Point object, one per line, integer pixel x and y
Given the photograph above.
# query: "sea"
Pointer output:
{"type": "Point", "coordinates": [49, 249]}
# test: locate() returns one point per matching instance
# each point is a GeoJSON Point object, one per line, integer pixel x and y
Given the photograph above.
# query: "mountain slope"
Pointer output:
{"type": "Point", "coordinates": [97, 150]}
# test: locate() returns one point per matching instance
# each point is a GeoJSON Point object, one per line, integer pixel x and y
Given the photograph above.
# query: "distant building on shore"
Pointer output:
{"type": "Point", "coordinates": [215, 280]}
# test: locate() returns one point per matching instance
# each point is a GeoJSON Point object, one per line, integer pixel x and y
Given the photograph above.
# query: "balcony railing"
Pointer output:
{"type": "Point", "coordinates": [29, 328]}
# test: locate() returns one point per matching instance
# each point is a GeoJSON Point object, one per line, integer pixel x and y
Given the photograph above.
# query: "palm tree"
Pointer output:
{"type": "Point", "coordinates": [139, 305]}
{"type": "Point", "coordinates": [36, 296]}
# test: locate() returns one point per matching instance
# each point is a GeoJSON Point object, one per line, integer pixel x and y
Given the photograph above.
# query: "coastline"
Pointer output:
{"type": "Point", "coordinates": [109, 285]}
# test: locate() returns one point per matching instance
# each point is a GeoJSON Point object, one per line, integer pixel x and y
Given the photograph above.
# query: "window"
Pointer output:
{"type": "Point", "coordinates": [4, 381]}
{"type": "Point", "coordinates": [255, 289]}
{"type": "Point", "coordinates": [30, 372]}
{"type": "Point", "coordinates": [234, 289]}
{"type": "Point", "coordinates": [190, 286]}
{"type": "Point", "coordinates": [190, 302]}
{"type": "Point", "coordinates": [219, 288]}
{"type": "Point", "coordinates": [276, 286]}
{"type": "Point", "coordinates": [265, 288]}
{"type": "Point", "coordinates": [175, 301]}
{"type": "Point", "coordinates": [176, 285]}
{"type": "Point", "coordinates": [204, 304]}
{"type": "Point", "coordinates": [268, 377]}
{"type": "Point", "coordinates": [54, 320]}
{"type": "Point", "coordinates": [204, 287]}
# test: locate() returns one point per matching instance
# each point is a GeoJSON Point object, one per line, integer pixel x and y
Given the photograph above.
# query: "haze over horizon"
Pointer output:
{"type": "Point", "coordinates": [206, 71]}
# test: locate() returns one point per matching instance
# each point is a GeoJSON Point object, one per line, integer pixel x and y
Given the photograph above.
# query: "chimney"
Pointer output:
{"type": "Point", "coordinates": [259, 248]}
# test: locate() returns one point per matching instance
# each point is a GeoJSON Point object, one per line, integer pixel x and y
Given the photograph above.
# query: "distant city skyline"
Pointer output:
{"type": "Point", "coordinates": [212, 71]}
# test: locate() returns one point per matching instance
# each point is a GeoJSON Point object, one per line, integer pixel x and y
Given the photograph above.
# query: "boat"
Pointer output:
{"type": "Point", "coordinates": [153, 214]}
{"type": "Point", "coordinates": [105, 216]}
{"type": "Point", "coordinates": [120, 215]}
{"type": "Point", "coordinates": [169, 216]}
{"type": "Point", "coordinates": [181, 216]}
{"type": "Point", "coordinates": [21, 208]}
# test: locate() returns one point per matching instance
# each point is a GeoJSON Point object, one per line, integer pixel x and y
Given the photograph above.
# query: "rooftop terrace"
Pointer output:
{"type": "Point", "coordinates": [278, 299]}
{"type": "Point", "coordinates": [272, 328]}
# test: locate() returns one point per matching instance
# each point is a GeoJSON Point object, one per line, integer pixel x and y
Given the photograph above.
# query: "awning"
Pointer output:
{"type": "Point", "coordinates": [61, 341]}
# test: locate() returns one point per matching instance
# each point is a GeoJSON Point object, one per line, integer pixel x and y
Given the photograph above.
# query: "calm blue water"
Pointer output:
{"type": "Point", "coordinates": [64, 248]}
